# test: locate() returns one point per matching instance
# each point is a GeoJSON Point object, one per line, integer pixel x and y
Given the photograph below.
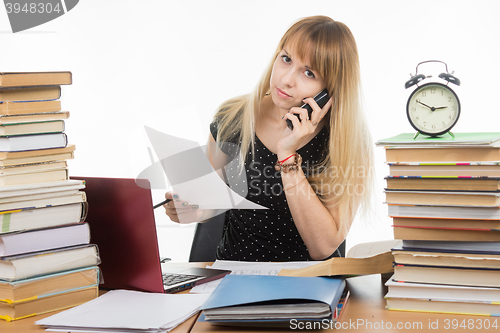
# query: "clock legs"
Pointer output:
{"type": "Point", "coordinates": [449, 132]}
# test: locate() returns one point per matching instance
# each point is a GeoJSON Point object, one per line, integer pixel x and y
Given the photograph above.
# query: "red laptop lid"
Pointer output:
{"type": "Point", "coordinates": [122, 225]}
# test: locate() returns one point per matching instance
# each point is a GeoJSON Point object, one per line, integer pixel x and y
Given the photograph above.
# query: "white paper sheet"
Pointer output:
{"type": "Point", "coordinates": [369, 249]}
{"type": "Point", "coordinates": [248, 268]}
{"type": "Point", "coordinates": [124, 310]}
{"type": "Point", "coordinates": [192, 176]}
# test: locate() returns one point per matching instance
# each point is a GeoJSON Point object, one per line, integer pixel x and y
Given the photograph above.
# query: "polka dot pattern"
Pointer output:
{"type": "Point", "coordinates": [264, 235]}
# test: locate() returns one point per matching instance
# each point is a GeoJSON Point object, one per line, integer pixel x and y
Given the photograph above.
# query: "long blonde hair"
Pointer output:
{"type": "Point", "coordinates": [347, 170]}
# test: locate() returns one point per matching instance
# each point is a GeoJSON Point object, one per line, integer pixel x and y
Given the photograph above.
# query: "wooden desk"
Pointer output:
{"type": "Point", "coordinates": [365, 312]}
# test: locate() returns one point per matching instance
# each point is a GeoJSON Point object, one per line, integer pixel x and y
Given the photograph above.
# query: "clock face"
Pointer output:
{"type": "Point", "coordinates": [433, 109]}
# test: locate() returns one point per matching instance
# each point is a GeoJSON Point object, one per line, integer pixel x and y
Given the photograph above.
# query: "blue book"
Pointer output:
{"type": "Point", "coordinates": [270, 300]}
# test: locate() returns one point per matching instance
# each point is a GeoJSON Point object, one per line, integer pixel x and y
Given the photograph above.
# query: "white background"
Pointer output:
{"type": "Point", "coordinates": [171, 63]}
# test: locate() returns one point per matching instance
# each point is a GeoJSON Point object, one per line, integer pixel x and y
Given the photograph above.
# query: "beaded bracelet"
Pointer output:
{"type": "Point", "coordinates": [290, 166]}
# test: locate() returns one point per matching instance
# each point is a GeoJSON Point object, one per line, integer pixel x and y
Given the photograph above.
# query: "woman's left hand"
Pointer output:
{"type": "Point", "coordinates": [291, 140]}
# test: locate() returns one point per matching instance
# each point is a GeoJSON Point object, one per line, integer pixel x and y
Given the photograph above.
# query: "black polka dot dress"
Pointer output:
{"type": "Point", "coordinates": [264, 235]}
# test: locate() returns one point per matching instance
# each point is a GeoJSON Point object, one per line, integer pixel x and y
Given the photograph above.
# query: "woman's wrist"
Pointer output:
{"type": "Point", "coordinates": [286, 159]}
{"type": "Point", "coordinates": [283, 155]}
{"type": "Point", "coordinates": [289, 163]}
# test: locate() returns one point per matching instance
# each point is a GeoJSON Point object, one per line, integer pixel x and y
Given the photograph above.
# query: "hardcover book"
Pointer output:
{"type": "Point", "coordinates": [19, 108]}
{"type": "Point", "coordinates": [25, 289]}
{"type": "Point", "coordinates": [361, 259]}
{"type": "Point", "coordinates": [36, 306]}
{"type": "Point", "coordinates": [39, 127]}
{"type": "Point", "coordinates": [26, 79]}
{"type": "Point", "coordinates": [33, 142]}
{"type": "Point", "coordinates": [36, 156]}
{"type": "Point", "coordinates": [35, 264]}
{"type": "Point", "coordinates": [449, 275]}
{"type": "Point", "coordinates": [43, 93]}
{"type": "Point", "coordinates": [44, 239]}
{"type": "Point", "coordinates": [459, 139]}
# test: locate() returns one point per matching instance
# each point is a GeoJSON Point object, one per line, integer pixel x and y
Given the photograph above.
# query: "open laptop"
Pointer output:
{"type": "Point", "coordinates": [122, 225]}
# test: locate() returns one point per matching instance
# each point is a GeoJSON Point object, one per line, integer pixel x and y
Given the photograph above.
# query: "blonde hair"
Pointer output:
{"type": "Point", "coordinates": [346, 173]}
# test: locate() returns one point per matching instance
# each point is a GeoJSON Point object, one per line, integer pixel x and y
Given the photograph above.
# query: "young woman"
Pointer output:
{"type": "Point", "coordinates": [314, 178]}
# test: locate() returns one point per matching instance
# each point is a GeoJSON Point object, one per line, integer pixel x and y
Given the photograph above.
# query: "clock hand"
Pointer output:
{"type": "Point", "coordinates": [430, 107]}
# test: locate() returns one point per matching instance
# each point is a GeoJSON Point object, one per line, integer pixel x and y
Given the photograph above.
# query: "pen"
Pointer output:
{"type": "Point", "coordinates": [162, 203]}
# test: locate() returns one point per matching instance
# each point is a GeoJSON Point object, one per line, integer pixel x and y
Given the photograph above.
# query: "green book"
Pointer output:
{"type": "Point", "coordinates": [486, 139]}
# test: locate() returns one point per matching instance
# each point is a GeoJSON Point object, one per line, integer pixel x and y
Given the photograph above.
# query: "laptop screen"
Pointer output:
{"type": "Point", "coordinates": [122, 225]}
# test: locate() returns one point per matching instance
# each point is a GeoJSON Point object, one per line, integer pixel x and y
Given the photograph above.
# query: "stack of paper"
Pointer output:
{"type": "Point", "coordinates": [127, 311]}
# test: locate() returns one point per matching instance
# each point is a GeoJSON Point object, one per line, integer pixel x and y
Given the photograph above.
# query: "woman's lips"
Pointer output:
{"type": "Point", "coordinates": [282, 94]}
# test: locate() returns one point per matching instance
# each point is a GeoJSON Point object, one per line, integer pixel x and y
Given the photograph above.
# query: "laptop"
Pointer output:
{"type": "Point", "coordinates": [122, 224]}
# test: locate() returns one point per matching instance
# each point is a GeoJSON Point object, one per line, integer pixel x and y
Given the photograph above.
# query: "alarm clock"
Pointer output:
{"type": "Point", "coordinates": [433, 108]}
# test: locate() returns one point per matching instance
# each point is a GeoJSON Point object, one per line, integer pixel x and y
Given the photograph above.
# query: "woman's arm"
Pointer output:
{"type": "Point", "coordinates": [217, 157]}
{"type": "Point", "coordinates": [318, 223]}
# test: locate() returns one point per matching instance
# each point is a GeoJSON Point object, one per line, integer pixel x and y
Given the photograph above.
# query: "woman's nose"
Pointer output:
{"type": "Point", "coordinates": [288, 78]}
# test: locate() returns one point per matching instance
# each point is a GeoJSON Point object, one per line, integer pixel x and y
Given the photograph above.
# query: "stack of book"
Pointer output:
{"type": "Point", "coordinates": [46, 260]}
{"type": "Point", "coordinates": [443, 195]}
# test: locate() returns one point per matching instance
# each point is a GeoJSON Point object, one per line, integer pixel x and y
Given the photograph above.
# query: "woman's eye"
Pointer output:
{"type": "Point", "coordinates": [309, 73]}
{"type": "Point", "coordinates": [286, 59]}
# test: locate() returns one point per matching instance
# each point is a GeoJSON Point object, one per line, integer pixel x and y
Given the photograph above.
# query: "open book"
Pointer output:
{"type": "Point", "coordinates": [361, 259]}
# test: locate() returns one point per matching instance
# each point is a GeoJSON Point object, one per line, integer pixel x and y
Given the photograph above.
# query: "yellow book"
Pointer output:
{"type": "Point", "coordinates": [26, 79]}
{"type": "Point", "coordinates": [35, 167]}
{"type": "Point", "coordinates": [30, 94]}
{"type": "Point", "coordinates": [17, 108]}
{"type": "Point", "coordinates": [25, 290]}
{"type": "Point", "coordinates": [472, 308]}
{"type": "Point", "coordinates": [10, 312]}
{"type": "Point", "coordinates": [36, 156]}
{"type": "Point", "coordinates": [37, 127]}
{"type": "Point", "coordinates": [33, 117]}
{"type": "Point", "coordinates": [34, 177]}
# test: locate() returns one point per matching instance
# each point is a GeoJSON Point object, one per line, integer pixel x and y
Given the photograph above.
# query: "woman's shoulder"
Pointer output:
{"type": "Point", "coordinates": [228, 115]}
{"type": "Point", "coordinates": [222, 121]}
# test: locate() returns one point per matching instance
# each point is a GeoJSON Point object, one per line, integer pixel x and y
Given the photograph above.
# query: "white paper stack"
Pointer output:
{"type": "Point", "coordinates": [127, 311]}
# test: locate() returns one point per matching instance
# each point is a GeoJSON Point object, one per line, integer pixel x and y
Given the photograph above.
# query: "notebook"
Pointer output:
{"type": "Point", "coordinates": [122, 225]}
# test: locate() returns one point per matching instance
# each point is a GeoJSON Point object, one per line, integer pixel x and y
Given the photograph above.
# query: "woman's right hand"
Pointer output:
{"type": "Point", "coordinates": [180, 211]}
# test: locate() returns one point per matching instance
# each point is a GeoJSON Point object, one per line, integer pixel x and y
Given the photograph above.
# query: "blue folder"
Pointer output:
{"type": "Point", "coordinates": [235, 290]}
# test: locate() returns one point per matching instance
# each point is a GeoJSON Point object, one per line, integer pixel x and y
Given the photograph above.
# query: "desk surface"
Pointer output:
{"type": "Point", "coordinates": [365, 312]}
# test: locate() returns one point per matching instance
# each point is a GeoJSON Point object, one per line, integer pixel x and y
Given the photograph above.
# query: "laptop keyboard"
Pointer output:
{"type": "Point", "coordinates": [172, 279]}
